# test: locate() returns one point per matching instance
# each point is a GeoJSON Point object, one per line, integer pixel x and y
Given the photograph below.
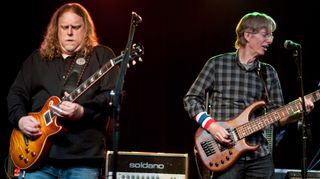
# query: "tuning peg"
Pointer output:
{"type": "Point", "coordinates": [128, 65]}
{"type": "Point", "coordinates": [140, 59]}
{"type": "Point", "coordinates": [134, 62]}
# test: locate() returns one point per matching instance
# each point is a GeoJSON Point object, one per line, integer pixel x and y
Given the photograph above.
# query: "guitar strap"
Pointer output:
{"type": "Point", "coordinates": [262, 73]}
{"type": "Point", "coordinates": [268, 132]}
{"type": "Point", "coordinates": [75, 74]}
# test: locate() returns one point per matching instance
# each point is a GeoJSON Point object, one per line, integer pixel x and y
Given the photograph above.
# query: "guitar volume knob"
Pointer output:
{"type": "Point", "coordinates": [26, 160]}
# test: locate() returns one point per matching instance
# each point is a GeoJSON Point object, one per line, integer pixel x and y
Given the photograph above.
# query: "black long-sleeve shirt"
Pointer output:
{"type": "Point", "coordinates": [40, 79]}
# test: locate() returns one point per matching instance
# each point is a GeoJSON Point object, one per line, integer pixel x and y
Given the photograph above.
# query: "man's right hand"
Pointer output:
{"type": "Point", "coordinates": [30, 126]}
{"type": "Point", "coordinates": [220, 134]}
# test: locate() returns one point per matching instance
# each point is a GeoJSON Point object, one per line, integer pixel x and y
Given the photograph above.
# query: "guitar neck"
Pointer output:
{"type": "Point", "coordinates": [76, 93]}
{"type": "Point", "coordinates": [136, 51]}
{"type": "Point", "coordinates": [274, 116]}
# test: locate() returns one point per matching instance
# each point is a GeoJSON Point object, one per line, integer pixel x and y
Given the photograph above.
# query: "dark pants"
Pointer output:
{"type": "Point", "coordinates": [247, 169]}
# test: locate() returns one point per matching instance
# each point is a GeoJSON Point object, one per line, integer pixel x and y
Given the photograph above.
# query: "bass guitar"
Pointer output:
{"type": "Point", "coordinates": [218, 157]}
{"type": "Point", "coordinates": [26, 152]}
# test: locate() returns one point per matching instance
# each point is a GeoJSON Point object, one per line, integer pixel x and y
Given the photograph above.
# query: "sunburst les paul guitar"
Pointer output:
{"type": "Point", "coordinates": [27, 153]}
{"type": "Point", "coordinates": [218, 157]}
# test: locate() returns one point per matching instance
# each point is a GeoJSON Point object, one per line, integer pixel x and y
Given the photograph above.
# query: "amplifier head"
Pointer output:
{"type": "Point", "coordinates": [147, 165]}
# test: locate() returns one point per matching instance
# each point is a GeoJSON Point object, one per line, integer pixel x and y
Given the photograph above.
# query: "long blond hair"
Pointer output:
{"type": "Point", "coordinates": [50, 47]}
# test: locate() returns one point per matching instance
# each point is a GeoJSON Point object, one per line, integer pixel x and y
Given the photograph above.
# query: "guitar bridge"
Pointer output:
{"type": "Point", "coordinates": [26, 140]}
{"type": "Point", "coordinates": [208, 147]}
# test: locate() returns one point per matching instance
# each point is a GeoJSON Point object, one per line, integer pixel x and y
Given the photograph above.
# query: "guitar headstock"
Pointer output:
{"type": "Point", "coordinates": [137, 51]}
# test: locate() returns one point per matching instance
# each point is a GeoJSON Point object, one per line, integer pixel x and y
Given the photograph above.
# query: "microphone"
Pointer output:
{"type": "Point", "coordinates": [288, 44]}
{"type": "Point", "coordinates": [137, 18]}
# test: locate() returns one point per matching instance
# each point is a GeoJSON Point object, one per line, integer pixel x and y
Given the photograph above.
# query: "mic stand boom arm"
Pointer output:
{"type": "Point", "coordinates": [116, 94]}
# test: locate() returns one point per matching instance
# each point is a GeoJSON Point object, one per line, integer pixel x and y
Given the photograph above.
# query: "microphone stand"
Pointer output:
{"type": "Point", "coordinates": [116, 94]}
{"type": "Point", "coordinates": [297, 54]}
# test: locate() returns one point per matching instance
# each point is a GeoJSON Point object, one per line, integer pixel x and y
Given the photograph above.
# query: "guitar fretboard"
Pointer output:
{"type": "Point", "coordinates": [273, 116]}
{"type": "Point", "coordinates": [76, 93]}
{"type": "Point", "coordinates": [136, 51]}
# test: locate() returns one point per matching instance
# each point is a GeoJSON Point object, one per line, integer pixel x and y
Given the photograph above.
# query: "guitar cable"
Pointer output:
{"type": "Point", "coordinates": [195, 151]}
{"type": "Point", "coordinates": [9, 168]}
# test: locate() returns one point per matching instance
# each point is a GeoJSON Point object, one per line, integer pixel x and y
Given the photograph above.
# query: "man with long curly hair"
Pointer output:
{"type": "Point", "coordinates": [69, 54]}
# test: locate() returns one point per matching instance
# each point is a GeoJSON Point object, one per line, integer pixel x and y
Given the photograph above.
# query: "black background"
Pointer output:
{"type": "Point", "coordinates": [178, 37]}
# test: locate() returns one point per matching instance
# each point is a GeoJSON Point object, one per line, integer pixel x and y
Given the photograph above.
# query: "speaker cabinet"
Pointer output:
{"type": "Point", "coordinates": [147, 165]}
{"type": "Point", "coordinates": [295, 174]}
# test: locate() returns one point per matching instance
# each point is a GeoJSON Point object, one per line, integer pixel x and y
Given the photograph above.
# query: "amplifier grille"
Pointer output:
{"type": "Point", "coordinates": [148, 165]}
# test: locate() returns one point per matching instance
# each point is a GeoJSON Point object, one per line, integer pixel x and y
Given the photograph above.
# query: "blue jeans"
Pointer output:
{"type": "Point", "coordinates": [50, 172]}
{"type": "Point", "coordinates": [248, 169]}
